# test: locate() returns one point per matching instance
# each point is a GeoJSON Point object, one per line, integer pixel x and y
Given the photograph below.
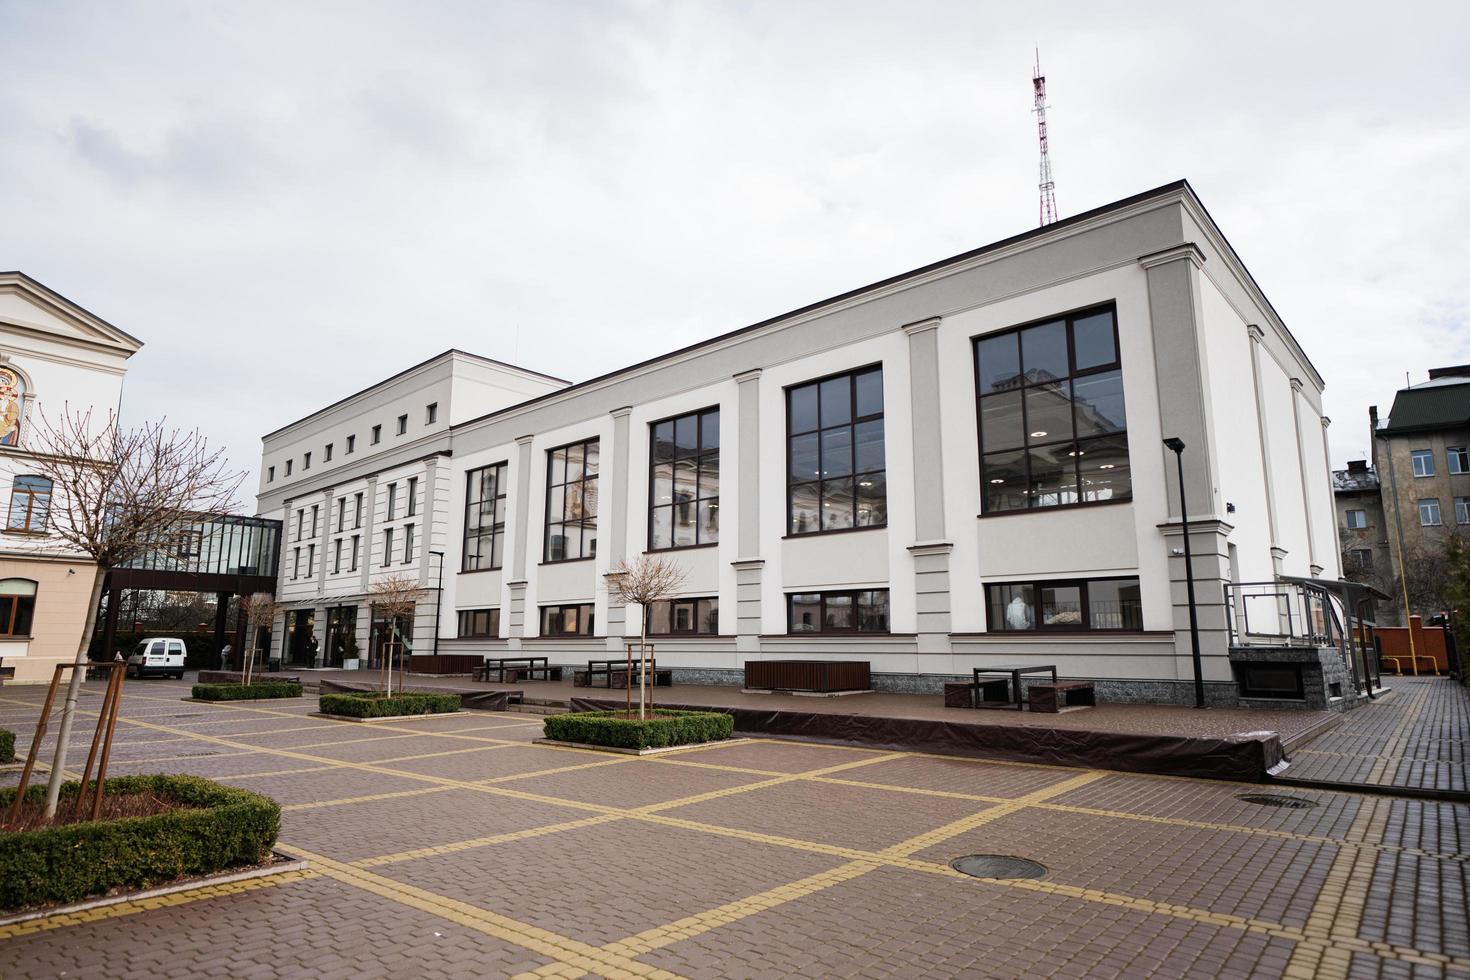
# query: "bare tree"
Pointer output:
{"type": "Point", "coordinates": [642, 582]}
{"type": "Point", "coordinates": [392, 598]}
{"type": "Point", "coordinates": [117, 495]}
{"type": "Point", "coordinates": [257, 610]}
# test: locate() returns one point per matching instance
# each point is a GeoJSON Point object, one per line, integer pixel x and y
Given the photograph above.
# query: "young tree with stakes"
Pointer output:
{"type": "Point", "coordinates": [393, 598]}
{"type": "Point", "coordinates": [257, 610]}
{"type": "Point", "coordinates": [642, 582]}
{"type": "Point", "coordinates": [117, 495]}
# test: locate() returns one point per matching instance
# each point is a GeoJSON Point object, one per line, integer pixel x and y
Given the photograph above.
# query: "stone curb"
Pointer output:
{"type": "Point", "coordinates": [430, 714]}
{"type": "Point", "coordinates": [620, 750]}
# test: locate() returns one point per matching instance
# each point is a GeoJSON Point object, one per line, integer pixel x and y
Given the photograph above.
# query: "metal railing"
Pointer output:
{"type": "Point", "coordinates": [1295, 612]}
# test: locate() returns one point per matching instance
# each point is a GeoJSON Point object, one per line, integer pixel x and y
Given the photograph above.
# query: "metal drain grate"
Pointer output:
{"type": "Point", "coordinates": [1274, 799]}
{"type": "Point", "coordinates": [998, 866]}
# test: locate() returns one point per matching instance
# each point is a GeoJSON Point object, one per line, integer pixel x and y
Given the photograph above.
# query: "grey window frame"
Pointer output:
{"type": "Point", "coordinates": [702, 457]}
{"type": "Point", "coordinates": [1082, 584]}
{"type": "Point", "coordinates": [794, 485]}
{"type": "Point", "coordinates": [586, 617]}
{"type": "Point", "coordinates": [828, 594]}
{"type": "Point", "coordinates": [473, 558]}
{"type": "Point", "coordinates": [466, 623]}
{"type": "Point", "coordinates": [588, 520]}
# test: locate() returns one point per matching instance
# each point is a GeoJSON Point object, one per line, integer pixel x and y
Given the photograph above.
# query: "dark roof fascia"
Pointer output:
{"type": "Point", "coordinates": [1163, 190]}
{"type": "Point", "coordinates": [404, 373]}
{"type": "Point", "coordinates": [43, 288]}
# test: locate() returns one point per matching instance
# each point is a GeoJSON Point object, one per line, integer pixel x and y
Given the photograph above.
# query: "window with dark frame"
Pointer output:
{"type": "Point", "coordinates": [355, 545]}
{"type": "Point", "coordinates": [17, 606]}
{"type": "Point", "coordinates": [431, 413]}
{"type": "Point", "coordinates": [1458, 458]}
{"type": "Point", "coordinates": [327, 453]}
{"type": "Point", "coordinates": [849, 611]}
{"type": "Point", "coordinates": [571, 502]}
{"type": "Point", "coordinates": [684, 481]}
{"type": "Point", "coordinates": [341, 514]}
{"type": "Point", "coordinates": [270, 474]}
{"type": "Point", "coordinates": [407, 543]}
{"type": "Point", "coordinates": [30, 504]}
{"type": "Point", "coordinates": [567, 620]}
{"type": "Point", "coordinates": [684, 617]}
{"type": "Point", "coordinates": [402, 424]}
{"type": "Point", "coordinates": [1363, 558]}
{"type": "Point", "coordinates": [288, 467]}
{"type": "Point", "coordinates": [1357, 519]}
{"type": "Point", "coordinates": [1053, 431]}
{"type": "Point", "coordinates": [337, 557]}
{"type": "Point", "coordinates": [387, 547]}
{"type": "Point", "coordinates": [413, 495]}
{"type": "Point", "coordinates": [1462, 510]}
{"type": "Point", "coordinates": [356, 511]}
{"type": "Point", "coordinates": [392, 500]}
{"type": "Point", "coordinates": [836, 474]}
{"type": "Point", "coordinates": [310, 560]}
{"type": "Point", "coordinates": [315, 513]}
{"type": "Point", "coordinates": [484, 518]}
{"type": "Point", "coordinates": [1074, 605]}
{"type": "Point", "coordinates": [377, 434]}
{"type": "Point", "coordinates": [300, 521]}
{"type": "Point", "coordinates": [296, 562]}
{"type": "Point", "coordinates": [351, 445]}
{"type": "Point", "coordinates": [479, 623]}
{"type": "Point", "coordinates": [306, 461]}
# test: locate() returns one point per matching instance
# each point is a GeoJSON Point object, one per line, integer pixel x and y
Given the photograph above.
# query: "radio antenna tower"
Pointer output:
{"type": "Point", "coordinates": [1047, 186]}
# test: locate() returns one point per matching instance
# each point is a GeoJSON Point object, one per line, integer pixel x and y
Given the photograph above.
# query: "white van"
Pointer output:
{"type": "Point", "coordinates": [158, 656]}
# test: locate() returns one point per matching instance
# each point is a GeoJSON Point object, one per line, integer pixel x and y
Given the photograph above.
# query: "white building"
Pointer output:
{"type": "Point", "coordinates": [54, 356]}
{"type": "Point", "coordinates": [958, 466]}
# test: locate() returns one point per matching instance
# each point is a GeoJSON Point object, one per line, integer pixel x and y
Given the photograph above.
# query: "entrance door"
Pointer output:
{"type": "Point", "coordinates": [300, 625]}
{"type": "Point", "coordinates": [341, 635]}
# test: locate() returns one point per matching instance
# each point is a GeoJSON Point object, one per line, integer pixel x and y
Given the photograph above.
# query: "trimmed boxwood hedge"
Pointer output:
{"type": "Point", "coordinates": [370, 704]}
{"type": "Point", "coordinates": [226, 827]}
{"type": "Point", "coordinates": [7, 746]}
{"type": "Point", "coordinates": [666, 729]}
{"type": "Point", "coordinates": [246, 692]}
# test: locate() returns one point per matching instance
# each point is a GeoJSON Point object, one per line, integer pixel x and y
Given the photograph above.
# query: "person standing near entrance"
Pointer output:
{"type": "Point", "coordinates": [224, 657]}
{"type": "Point", "coordinates": [312, 645]}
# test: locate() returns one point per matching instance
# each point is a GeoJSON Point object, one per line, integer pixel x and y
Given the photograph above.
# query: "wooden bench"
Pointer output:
{"type": "Point", "coordinates": [970, 694]}
{"type": "Point", "coordinates": [1052, 698]}
{"type": "Point", "coordinates": [513, 670]}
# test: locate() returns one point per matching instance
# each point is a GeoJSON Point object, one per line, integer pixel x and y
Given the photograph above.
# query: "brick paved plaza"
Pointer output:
{"type": "Point", "coordinates": [452, 846]}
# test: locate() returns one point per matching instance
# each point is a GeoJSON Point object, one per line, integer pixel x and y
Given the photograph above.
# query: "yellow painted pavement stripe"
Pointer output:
{"type": "Point", "coordinates": [466, 845]}
{"type": "Point", "coordinates": [172, 900]}
{"type": "Point", "coordinates": [375, 797]}
{"type": "Point", "coordinates": [543, 942]}
{"type": "Point", "coordinates": [276, 772]}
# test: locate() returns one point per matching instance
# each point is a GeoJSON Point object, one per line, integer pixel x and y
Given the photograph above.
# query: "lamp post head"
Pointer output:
{"type": "Point", "coordinates": [1175, 443]}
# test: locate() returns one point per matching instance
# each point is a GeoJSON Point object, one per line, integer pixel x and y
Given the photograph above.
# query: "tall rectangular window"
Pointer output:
{"type": "Point", "coordinates": [306, 461]}
{"type": "Point", "coordinates": [413, 495]}
{"type": "Point", "coordinates": [567, 620]}
{"type": "Point", "coordinates": [356, 511]}
{"type": "Point", "coordinates": [484, 518]}
{"type": "Point", "coordinates": [327, 453]}
{"type": "Point", "coordinates": [337, 557]}
{"type": "Point", "coordinates": [431, 413]}
{"type": "Point", "coordinates": [684, 481]}
{"type": "Point", "coordinates": [355, 540]}
{"type": "Point", "coordinates": [1362, 558]}
{"type": "Point", "coordinates": [475, 623]}
{"type": "Point", "coordinates": [571, 502]}
{"type": "Point", "coordinates": [407, 543]}
{"type": "Point", "coordinates": [270, 474]}
{"type": "Point", "coordinates": [684, 617]}
{"type": "Point", "coordinates": [1429, 512]}
{"type": "Point", "coordinates": [1458, 458]}
{"type": "Point", "coordinates": [288, 466]}
{"type": "Point", "coordinates": [392, 500]}
{"type": "Point", "coordinates": [296, 562]}
{"type": "Point", "coordinates": [402, 424]}
{"type": "Point", "coordinates": [1069, 606]}
{"type": "Point", "coordinates": [300, 522]}
{"type": "Point", "coordinates": [377, 434]}
{"type": "Point", "coordinates": [1462, 510]}
{"type": "Point", "coordinates": [341, 513]}
{"type": "Point", "coordinates": [351, 445]}
{"type": "Point", "coordinates": [1052, 426]}
{"type": "Point", "coordinates": [30, 503]}
{"type": "Point", "coordinates": [1423, 460]}
{"type": "Point", "coordinates": [387, 547]}
{"type": "Point", "coordinates": [836, 475]}
{"type": "Point", "coordinates": [861, 611]}
{"type": "Point", "coordinates": [315, 512]}
{"type": "Point", "coordinates": [1357, 519]}
{"type": "Point", "coordinates": [311, 559]}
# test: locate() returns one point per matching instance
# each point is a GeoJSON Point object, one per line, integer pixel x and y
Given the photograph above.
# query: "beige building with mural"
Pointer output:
{"type": "Point", "coordinates": [53, 353]}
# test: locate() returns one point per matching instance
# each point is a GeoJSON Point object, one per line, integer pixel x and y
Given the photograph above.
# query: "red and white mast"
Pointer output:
{"type": "Point", "coordinates": [1047, 186]}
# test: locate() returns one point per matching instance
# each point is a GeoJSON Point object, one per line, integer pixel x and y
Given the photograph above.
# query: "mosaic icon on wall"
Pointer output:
{"type": "Point", "coordinates": [12, 398]}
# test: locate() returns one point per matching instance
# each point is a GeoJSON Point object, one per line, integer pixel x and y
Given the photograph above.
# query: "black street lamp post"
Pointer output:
{"type": "Point", "coordinates": [1177, 446]}
{"type": "Point", "coordinates": [438, 599]}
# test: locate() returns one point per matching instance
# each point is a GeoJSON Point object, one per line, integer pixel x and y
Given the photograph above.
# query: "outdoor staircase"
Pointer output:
{"type": "Point", "coordinates": [540, 706]}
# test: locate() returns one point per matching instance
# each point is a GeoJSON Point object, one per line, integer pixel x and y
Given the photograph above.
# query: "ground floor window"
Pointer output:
{"type": "Point", "coordinates": [341, 635]}
{"type": "Point", "coordinates": [392, 638]}
{"type": "Point", "coordinates": [568, 620]}
{"type": "Point", "coordinates": [684, 617]}
{"type": "Point", "coordinates": [1075, 605]}
{"type": "Point", "coordinates": [861, 611]}
{"type": "Point", "coordinates": [17, 606]}
{"type": "Point", "coordinates": [479, 623]}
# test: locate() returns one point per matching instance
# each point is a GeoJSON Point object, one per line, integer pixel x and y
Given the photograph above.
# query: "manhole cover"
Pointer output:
{"type": "Point", "coordinates": [1272, 799]}
{"type": "Point", "coordinates": [997, 866]}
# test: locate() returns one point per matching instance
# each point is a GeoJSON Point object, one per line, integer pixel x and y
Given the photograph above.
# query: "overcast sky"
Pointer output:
{"type": "Point", "coordinates": [290, 201]}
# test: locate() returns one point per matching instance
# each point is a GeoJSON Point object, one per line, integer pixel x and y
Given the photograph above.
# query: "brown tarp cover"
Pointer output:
{"type": "Point", "coordinates": [237, 677]}
{"type": "Point", "coordinates": [478, 700]}
{"type": "Point", "coordinates": [1245, 757]}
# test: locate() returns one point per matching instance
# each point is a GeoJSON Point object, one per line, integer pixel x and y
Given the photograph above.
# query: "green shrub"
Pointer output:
{"type": "Point", "coordinates": [7, 746]}
{"type": "Point", "coordinates": [370, 704]}
{"type": "Point", "coordinates": [246, 692]}
{"type": "Point", "coordinates": [667, 728]}
{"type": "Point", "coordinates": [225, 827]}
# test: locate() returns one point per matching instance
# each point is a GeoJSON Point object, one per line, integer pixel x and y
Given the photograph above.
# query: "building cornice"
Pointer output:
{"type": "Point", "coordinates": [1184, 250]}
{"type": "Point", "coordinates": [923, 326]}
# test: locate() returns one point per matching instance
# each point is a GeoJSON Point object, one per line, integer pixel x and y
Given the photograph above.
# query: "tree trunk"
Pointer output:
{"type": "Point", "coordinates": [642, 661]}
{"type": "Point", "coordinates": [68, 710]}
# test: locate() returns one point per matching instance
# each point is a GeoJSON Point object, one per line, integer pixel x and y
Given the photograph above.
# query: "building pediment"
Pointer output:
{"type": "Point", "coordinates": [28, 307]}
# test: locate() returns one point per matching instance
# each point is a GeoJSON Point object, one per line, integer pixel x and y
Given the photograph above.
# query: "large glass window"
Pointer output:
{"type": "Point", "coordinates": [479, 623]}
{"type": "Point", "coordinates": [863, 611]}
{"type": "Point", "coordinates": [17, 606]}
{"type": "Point", "coordinates": [684, 481]}
{"type": "Point", "coordinates": [1052, 426]}
{"type": "Point", "coordinates": [30, 503]}
{"type": "Point", "coordinates": [1090, 604]}
{"type": "Point", "coordinates": [571, 502]}
{"type": "Point", "coordinates": [835, 467]}
{"type": "Point", "coordinates": [1423, 460]}
{"type": "Point", "coordinates": [569, 620]}
{"type": "Point", "coordinates": [684, 617]}
{"type": "Point", "coordinates": [484, 518]}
